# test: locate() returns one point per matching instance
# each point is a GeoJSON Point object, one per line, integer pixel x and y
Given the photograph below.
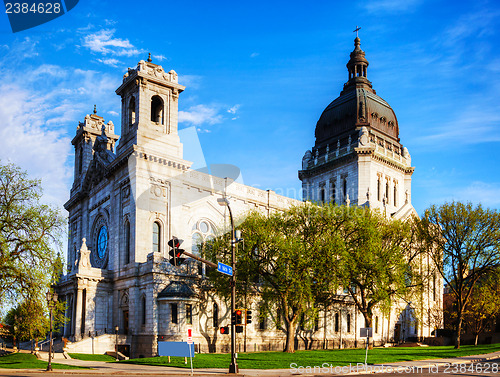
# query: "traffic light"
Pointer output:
{"type": "Point", "coordinates": [239, 329]}
{"type": "Point", "coordinates": [175, 253]}
{"type": "Point", "coordinates": [239, 316]}
{"type": "Point", "coordinates": [224, 330]}
{"type": "Point", "coordinates": [249, 317]}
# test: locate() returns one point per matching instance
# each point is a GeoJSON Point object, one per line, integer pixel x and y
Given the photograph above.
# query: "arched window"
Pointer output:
{"type": "Point", "coordinates": [344, 187]}
{"type": "Point", "coordinates": [156, 237]}
{"type": "Point", "coordinates": [157, 109]}
{"type": "Point", "coordinates": [143, 310]}
{"type": "Point", "coordinates": [202, 231]}
{"type": "Point", "coordinates": [322, 194]}
{"type": "Point", "coordinates": [376, 324]}
{"type": "Point", "coordinates": [395, 194]}
{"type": "Point", "coordinates": [337, 322]}
{"type": "Point", "coordinates": [348, 323]}
{"type": "Point", "coordinates": [131, 111]}
{"type": "Point", "coordinates": [216, 315]}
{"type": "Point", "coordinates": [127, 242]}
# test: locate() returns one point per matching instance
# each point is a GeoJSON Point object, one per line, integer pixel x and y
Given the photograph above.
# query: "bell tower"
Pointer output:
{"type": "Point", "coordinates": [149, 109]}
{"type": "Point", "coordinates": [358, 157]}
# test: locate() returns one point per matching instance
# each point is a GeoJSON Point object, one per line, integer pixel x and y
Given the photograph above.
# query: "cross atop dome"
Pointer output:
{"type": "Point", "coordinates": [356, 30]}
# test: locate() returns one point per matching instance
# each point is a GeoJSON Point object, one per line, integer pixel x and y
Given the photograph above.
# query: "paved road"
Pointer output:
{"type": "Point", "coordinates": [482, 365]}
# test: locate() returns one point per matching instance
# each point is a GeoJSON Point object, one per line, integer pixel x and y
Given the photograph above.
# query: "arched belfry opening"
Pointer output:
{"type": "Point", "coordinates": [131, 111]}
{"type": "Point", "coordinates": [157, 109]}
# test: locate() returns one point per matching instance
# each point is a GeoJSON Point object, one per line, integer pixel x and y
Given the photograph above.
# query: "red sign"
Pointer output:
{"type": "Point", "coordinates": [190, 337]}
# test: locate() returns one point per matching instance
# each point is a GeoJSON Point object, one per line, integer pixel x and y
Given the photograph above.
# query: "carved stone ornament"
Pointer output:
{"type": "Point", "coordinates": [363, 137]}
{"type": "Point", "coordinates": [84, 260]}
{"type": "Point", "coordinates": [306, 159]}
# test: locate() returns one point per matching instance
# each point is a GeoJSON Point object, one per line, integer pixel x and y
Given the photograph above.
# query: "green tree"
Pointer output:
{"type": "Point", "coordinates": [281, 256]}
{"type": "Point", "coordinates": [28, 320]}
{"type": "Point", "coordinates": [465, 244]}
{"type": "Point", "coordinates": [377, 260]}
{"type": "Point", "coordinates": [29, 233]}
{"type": "Point", "coordinates": [484, 305]}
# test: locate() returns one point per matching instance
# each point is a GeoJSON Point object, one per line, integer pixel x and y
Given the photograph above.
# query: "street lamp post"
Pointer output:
{"type": "Point", "coordinates": [233, 367]}
{"type": "Point", "coordinates": [116, 342]}
{"type": "Point", "coordinates": [51, 303]}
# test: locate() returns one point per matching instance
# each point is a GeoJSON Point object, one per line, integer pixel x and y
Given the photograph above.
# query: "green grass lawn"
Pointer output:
{"type": "Point", "coordinates": [91, 357]}
{"type": "Point", "coordinates": [281, 360]}
{"type": "Point", "coordinates": [29, 361]}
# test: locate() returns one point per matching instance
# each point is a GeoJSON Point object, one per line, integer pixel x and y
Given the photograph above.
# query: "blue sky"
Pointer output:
{"type": "Point", "coordinates": [258, 76]}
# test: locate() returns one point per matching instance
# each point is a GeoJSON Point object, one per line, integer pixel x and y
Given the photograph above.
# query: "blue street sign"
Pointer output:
{"type": "Point", "coordinates": [225, 269]}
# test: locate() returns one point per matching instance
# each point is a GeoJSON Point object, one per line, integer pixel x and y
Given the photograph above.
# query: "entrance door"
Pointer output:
{"type": "Point", "coordinates": [125, 322]}
{"type": "Point", "coordinates": [397, 333]}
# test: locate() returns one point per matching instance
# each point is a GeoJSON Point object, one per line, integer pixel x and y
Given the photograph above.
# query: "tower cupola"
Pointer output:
{"type": "Point", "coordinates": [357, 66]}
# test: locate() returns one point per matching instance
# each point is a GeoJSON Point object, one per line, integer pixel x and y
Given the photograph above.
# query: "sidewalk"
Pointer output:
{"type": "Point", "coordinates": [101, 367]}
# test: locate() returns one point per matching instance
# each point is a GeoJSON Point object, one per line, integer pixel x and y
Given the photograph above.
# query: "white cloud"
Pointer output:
{"type": "Point", "coordinates": [39, 110]}
{"type": "Point", "coordinates": [27, 140]}
{"type": "Point", "coordinates": [114, 113]}
{"type": "Point", "coordinates": [254, 54]}
{"type": "Point", "coordinates": [109, 61]}
{"type": "Point", "coordinates": [234, 109]}
{"type": "Point", "coordinates": [105, 43]}
{"type": "Point", "coordinates": [457, 131]}
{"type": "Point", "coordinates": [160, 57]}
{"type": "Point", "coordinates": [191, 81]}
{"type": "Point", "coordinates": [488, 194]}
{"type": "Point", "coordinates": [200, 114]}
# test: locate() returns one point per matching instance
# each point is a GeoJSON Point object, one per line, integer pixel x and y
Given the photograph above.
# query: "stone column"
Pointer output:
{"type": "Point", "coordinates": [77, 315]}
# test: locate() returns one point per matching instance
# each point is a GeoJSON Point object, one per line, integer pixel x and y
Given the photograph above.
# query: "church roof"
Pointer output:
{"type": "Point", "coordinates": [176, 289]}
{"type": "Point", "coordinates": [358, 105]}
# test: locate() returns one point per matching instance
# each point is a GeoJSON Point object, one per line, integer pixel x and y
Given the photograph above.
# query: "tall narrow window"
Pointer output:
{"type": "Point", "coordinates": [379, 190]}
{"type": "Point", "coordinates": [173, 313]}
{"type": "Point", "coordinates": [348, 323]}
{"type": "Point", "coordinates": [395, 194]}
{"type": "Point", "coordinates": [157, 109]}
{"type": "Point", "coordinates": [322, 194]}
{"type": "Point", "coordinates": [189, 314]}
{"type": "Point", "coordinates": [143, 310]}
{"type": "Point", "coordinates": [216, 315]}
{"type": "Point", "coordinates": [434, 290]}
{"type": "Point", "coordinates": [156, 237]}
{"type": "Point", "coordinates": [262, 317]}
{"type": "Point", "coordinates": [376, 324]}
{"type": "Point", "coordinates": [127, 242]}
{"type": "Point", "coordinates": [80, 161]}
{"type": "Point", "coordinates": [387, 192]}
{"type": "Point", "coordinates": [337, 322]}
{"type": "Point", "coordinates": [131, 111]}
{"type": "Point", "coordinates": [333, 192]}
{"type": "Point", "coordinates": [344, 184]}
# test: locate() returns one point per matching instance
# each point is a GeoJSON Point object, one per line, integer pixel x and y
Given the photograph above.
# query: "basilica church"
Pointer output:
{"type": "Point", "coordinates": [132, 193]}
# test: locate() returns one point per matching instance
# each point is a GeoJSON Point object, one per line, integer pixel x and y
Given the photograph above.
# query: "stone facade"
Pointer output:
{"type": "Point", "coordinates": [358, 159]}
{"type": "Point", "coordinates": [131, 194]}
